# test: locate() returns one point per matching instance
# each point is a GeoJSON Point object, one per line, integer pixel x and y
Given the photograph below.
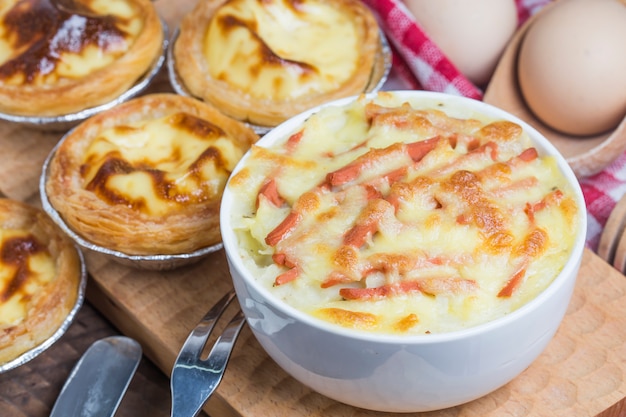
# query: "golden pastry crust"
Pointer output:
{"type": "Point", "coordinates": [147, 176]}
{"type": "Point", "coordinates": [40, 277]}
{"type": "Point", "coordinates": [54, 63]}
{"type": "Point", "coordinates": [265, 61]}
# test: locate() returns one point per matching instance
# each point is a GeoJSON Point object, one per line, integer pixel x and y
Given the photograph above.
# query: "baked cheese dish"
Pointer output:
{"type": "Point", "coordinates": [146, 177]}
{"type": "Point", "coordinates": [264, 61]}
{"type": "Point", "coordinates": [396, 217]}
{"type": "Point", "coordinates": [40, 278]}
{"type": "Point", "coordinates": [55, 62]}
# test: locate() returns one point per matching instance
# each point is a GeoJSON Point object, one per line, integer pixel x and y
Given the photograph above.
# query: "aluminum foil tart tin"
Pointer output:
{"type": "Point", "coordinates": [378, 77]}
{"type": "Point", "coordinates": [157, 262]}
{"type": "Point", "coordinates": [66, 121]}
{"type": "Point", "coordinates": [37, 350]}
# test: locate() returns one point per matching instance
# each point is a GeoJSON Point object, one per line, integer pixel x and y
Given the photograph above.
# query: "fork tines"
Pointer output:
{"type": "Point", "coordinates": [194, 379]}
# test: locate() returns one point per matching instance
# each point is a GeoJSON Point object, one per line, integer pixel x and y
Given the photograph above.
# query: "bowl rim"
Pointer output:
{"type": "Point", "coordinates": [567, 273]}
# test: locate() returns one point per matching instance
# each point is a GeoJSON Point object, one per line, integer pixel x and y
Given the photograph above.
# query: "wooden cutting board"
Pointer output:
{"type": "Point", "coordinates": [582, 373]}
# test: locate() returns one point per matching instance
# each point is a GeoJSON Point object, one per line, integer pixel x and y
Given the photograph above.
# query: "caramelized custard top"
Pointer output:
{"type": "Point", "coordinates": [40, 43]}
{"type": "Point", "coordinates": [25, 265]}
{"type": "Point", "coordinates": [281, 48]}
{"type": "Point", "coordinates": [159, 165]}
{"type": "Point", "coordinates": [15, 252]}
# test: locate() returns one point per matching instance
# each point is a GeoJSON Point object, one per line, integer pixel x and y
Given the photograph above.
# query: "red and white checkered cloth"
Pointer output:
{"type": "Point", "coordinates": [420, 65]}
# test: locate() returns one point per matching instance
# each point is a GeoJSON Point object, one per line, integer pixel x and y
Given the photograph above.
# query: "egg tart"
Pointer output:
{"type": "Point", "coordinates": [41, 281]}
{"type": "Point", "coordinates": [147, 176]}
{"type": "Point", "coordinates": [55, 61]}
{"type": "Point", "coordinates": [265, 61]}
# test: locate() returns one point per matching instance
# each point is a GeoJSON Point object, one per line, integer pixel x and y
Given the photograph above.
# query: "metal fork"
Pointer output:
{"type": "Point", "coordinates": [194, 379]}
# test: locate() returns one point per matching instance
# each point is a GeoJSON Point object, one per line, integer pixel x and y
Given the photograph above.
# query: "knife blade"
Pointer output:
{"type": "Point", "coordinates": [99, 379]}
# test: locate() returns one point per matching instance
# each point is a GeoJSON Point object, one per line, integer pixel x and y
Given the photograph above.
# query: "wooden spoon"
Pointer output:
{"type": "Point", "coordinates": [619, 262]}
{"type": "Point", "coordinates": [586, 155]}
{"type": "Point", "coordinates": [612, 239]}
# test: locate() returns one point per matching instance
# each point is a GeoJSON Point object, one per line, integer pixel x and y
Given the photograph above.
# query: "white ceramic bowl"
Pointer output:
{"type": "Point", "coordinates": [405, 373]}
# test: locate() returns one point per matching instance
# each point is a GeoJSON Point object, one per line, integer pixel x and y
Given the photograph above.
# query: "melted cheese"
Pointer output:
{"type": "Point", "coordinates": [280, 50]}
{"type": "Point", "coordinates": [22, 275]}
{"type": "Point", "coordinates": [160, 165]}
{"type": "Point", "coordinates": [393, 219]}
{"type": "Point", "coordinates": [67, 45]}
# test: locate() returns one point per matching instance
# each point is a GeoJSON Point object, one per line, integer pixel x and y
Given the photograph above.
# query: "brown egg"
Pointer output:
{"type": "Point", "coordinates": [471, 33]}
{"type": "Point", "coordinates": [572, 66]}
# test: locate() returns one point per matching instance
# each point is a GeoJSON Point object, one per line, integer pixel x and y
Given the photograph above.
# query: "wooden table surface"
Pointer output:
{"type": "Point", "coordinates": [31, 390]}
{"type": "Point", "coordinates": [593, 386]}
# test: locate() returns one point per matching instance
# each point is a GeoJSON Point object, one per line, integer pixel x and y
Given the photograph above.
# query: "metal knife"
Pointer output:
{"type": "Point", "coordinates": [99, 379]}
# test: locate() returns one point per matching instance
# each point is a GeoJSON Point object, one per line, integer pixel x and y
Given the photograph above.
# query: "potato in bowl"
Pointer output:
{"type": "Point", "coordinates": [384, 246]}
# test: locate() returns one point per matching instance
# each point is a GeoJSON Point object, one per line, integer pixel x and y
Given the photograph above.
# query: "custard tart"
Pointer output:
{"type": "Point", "coordinates": [55, 61]}
{"type": "Point", "coordinates": [264, 61]}
{"type": "Point", "coordinates": [41, 281]}
{"type": "Point", "coordinates": [146, 177]}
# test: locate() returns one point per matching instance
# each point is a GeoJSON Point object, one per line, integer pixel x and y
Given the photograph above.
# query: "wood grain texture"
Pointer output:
{"type": "Point", "coordinates": [582, 372]}
{"type": "Point", "coordinates": [31, 389]}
